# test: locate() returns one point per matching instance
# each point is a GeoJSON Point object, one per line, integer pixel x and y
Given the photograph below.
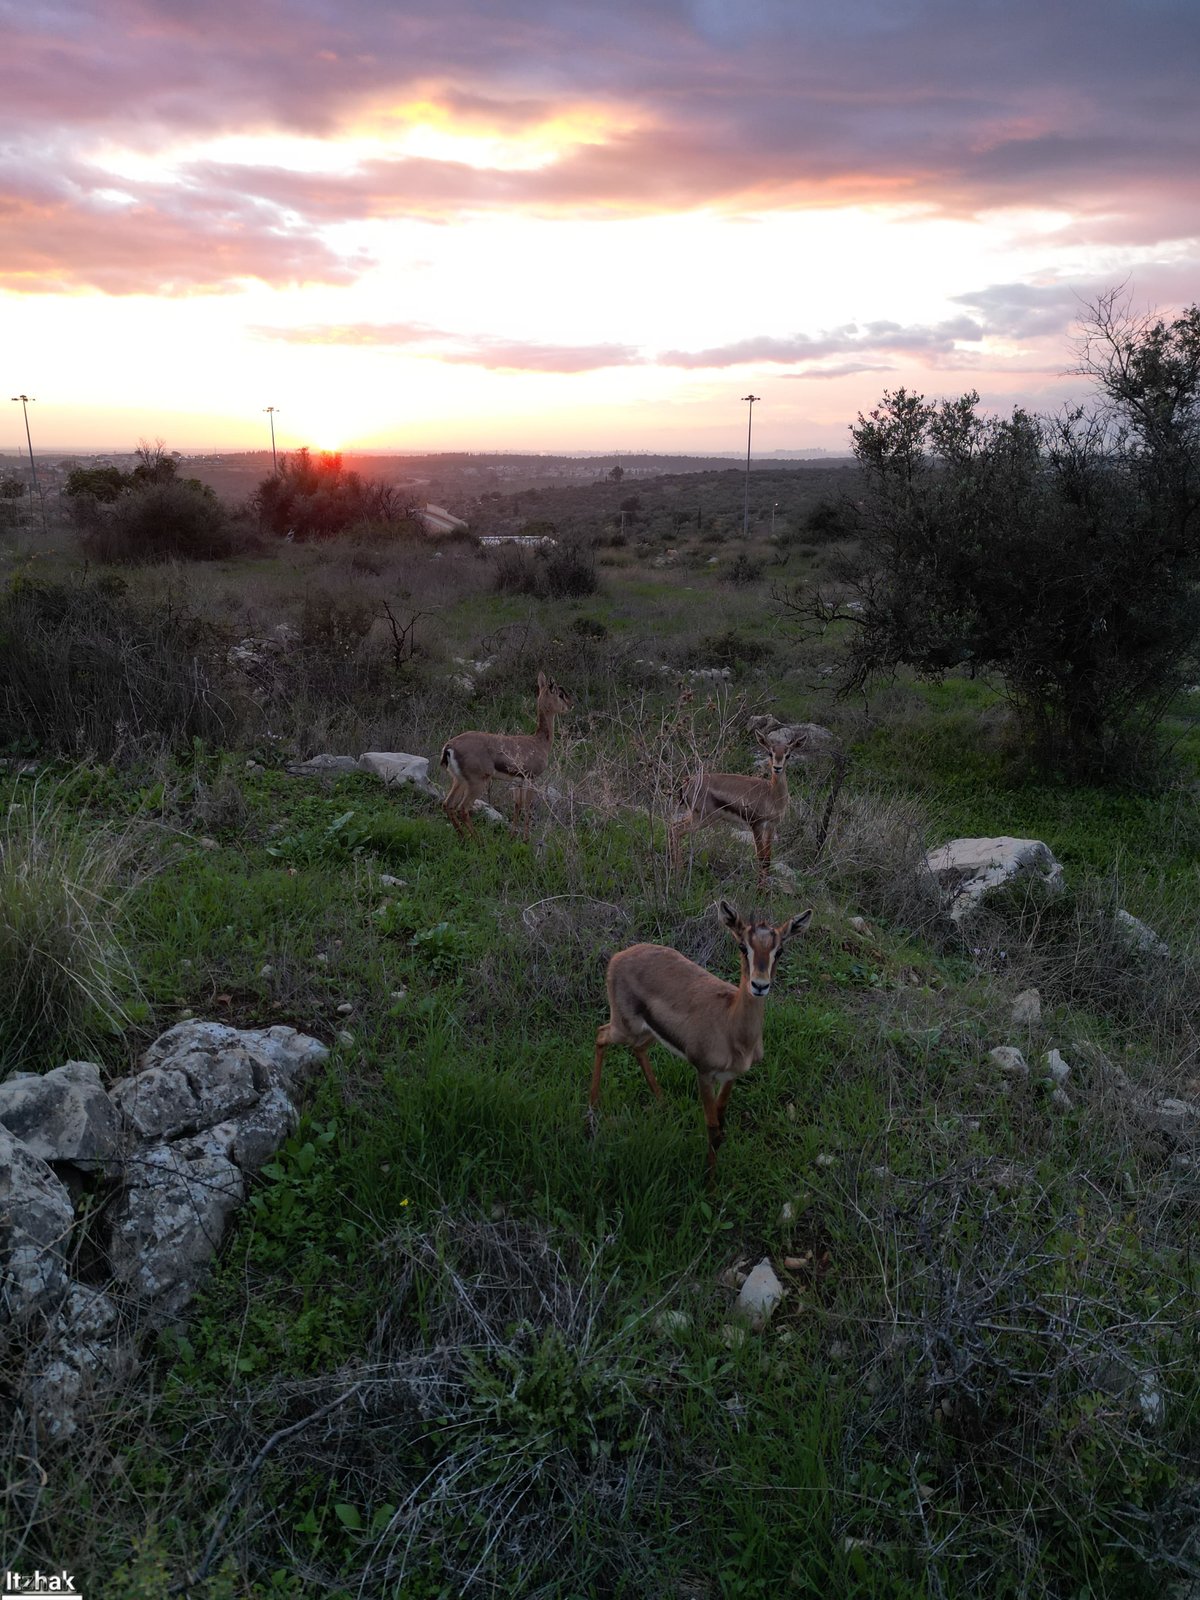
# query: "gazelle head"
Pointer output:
{"type": "Point", "coordinates": [760, 944]}
{"type": "Point", "coordinates": [777, 754]}
{"type": "Point", "coordinates": [551, 697]}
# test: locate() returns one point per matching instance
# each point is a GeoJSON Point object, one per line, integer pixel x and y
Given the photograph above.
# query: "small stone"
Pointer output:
{"type": "Point", "coordinates": [389, 882]}
{"type": "Point", "coordinates": [399, 994]}
{"type": "Point", "coordinates": [733, 1335]}
{"type": "Point", "coordinates": [1150, 1400]}
{"type": "Point", "coordinates": [345, 1009]}
{"type": "Point", "coordinates": [1056, 1068]}
{"type": "Point", "coordinates": [1010, 1060]}
{"type": "Point", "coordinates": [322, 958]}
{"type": "Point", "coordinates": [674, 1321]}
{"type": "Point", "coordinates": [1061, 1100]}
{"type": "Point", "coordinates": [732, 1277]}
{"type": "Point", "coordinates": [345, 1036]}
{"type": "Point", "coordinates": [792, 1113]}
{"type": "Point", "coordinates": [266, 970]}
{"type": "Point", "coordinates": [838, 1351]}
{"type": "Point", "coordinates": [787, 1213]}
{"type": "Point", "coordinates": [861, 926]}
{"type": "Point", "coordinates": [824, 1159]}
{"type": "Point", "coordinates": [1027, 1009]}
{"type": "Point", "coordinates": [760, 1295]}
{"type": "Point", "coordinates": [208, 844]}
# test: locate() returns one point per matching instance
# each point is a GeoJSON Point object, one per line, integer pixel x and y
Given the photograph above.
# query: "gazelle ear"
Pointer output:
{"type": "Point", "coordinates": [542, 683]}
{"type": "Point", "coordinates": [728, 915]}
{"type": "Point", "coordinates": [788, 930]}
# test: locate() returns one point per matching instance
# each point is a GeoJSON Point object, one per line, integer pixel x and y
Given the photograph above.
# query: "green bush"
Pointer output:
{"type": "Point", "coordinates": [565, 570]}
{"type": "Point", "coordinates": [161, 521]}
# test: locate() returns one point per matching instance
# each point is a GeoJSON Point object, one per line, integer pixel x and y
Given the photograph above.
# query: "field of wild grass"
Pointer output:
{"type": "Point", "coordinates": [455, 1346]}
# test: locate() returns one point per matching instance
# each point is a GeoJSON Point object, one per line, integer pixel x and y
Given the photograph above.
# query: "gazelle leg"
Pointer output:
{"type": "Point", "coordinates": [722, 1101]}
{"type": "Point", "coordinates": [526, 797]}
{"type": "Point", "coordinates": [642, 1052]}
{"type": "Point", "coordinates": [762, 848]}
{"type": "Point", "coordinates": [712, 1121]}
{"type": "Point", "coordinates": [603, 1040]}
{"type": "Point", "coordinates": [452, 805]}
{"type": "Point", "coordinates": [602, 1043]}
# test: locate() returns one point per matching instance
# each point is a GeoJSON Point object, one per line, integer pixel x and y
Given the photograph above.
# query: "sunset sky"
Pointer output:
{"type": "Point", "coordinates": [548, 225]}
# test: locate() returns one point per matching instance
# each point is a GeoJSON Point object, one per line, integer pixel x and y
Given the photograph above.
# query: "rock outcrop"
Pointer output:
{"type": "Point", "coordinates": [173, 1145]}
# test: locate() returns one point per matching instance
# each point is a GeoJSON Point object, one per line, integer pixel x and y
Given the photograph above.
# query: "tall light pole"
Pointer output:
{"type": "Point", "coordinates": [749, 426]}
{"type": "Point", "coordinates": [271, 410]}
{"type": "Point", "coordinates": [26, 401]}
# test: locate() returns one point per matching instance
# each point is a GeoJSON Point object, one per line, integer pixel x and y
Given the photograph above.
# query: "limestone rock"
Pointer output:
{"type": "Point", "coordinates": [760, 1295]}
{"type": "Point", "coordinates": [1140, 937]}
{"type": "Point", "coordinates": [64, 1115]}
{"type": "Point", "coordinates": [1010, 1060]}
{"type": "Point", "coordinates": [167, 1224]}
{"type": "Point", "coordinates": [397, 767]}
{"type": "Point", "coordinates": [83, 1350]}
{"type": "Point", "coordinates": [1027, 1009]}
{"type": "Point", "coordinates": [323, 766]}
{"type": "Point", "coordinates": [36, 1217]}
{"type": "Point", "coordinates": [1057, 1069]}
{"type": "Point", "coordinates": [261, 1131]}
{"type": "Point", "coordinates": [275, 1055]}
{"type": "Point", "coordinates": [1171, 1116]}
{"type": "Point", "coordinates": [967, 869]}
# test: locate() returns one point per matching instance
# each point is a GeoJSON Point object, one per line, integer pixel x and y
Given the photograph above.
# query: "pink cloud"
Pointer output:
{"type": "Point", "coordinates": [477, 350]}
{"type": "Point", "coordinates": [1086, 108]}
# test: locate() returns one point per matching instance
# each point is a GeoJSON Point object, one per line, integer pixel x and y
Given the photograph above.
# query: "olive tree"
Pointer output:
{"type": "Point", "coordinates": [1060, 554]}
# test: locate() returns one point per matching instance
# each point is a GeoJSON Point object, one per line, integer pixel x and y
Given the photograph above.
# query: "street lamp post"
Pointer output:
{"type": "Point", "coordinates": [746, 503]}
{"type": "Point", "coordinates": [26, 400]}
{"type": "Point", "coordinates": [271, 410]}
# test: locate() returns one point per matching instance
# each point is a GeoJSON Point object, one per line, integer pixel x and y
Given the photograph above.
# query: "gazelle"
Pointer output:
{"type": "Point", "coordinates": [474, 759]}
{"type": "Point", "coordinates": [657, 993]}
{"type": "Point", "coordinates": [761, 802]}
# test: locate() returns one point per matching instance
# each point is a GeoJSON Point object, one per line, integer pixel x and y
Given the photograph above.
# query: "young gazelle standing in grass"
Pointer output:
{"type": "Point", "coordinates": [761, 802]}
{"type": "Point", "coordinates": [473, 759]}
{"type": "Point", "coordinates": [654, 992]}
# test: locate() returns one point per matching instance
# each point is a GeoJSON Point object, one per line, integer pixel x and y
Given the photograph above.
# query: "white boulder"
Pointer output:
{"type": "Point", "coordinates": [967, 869]}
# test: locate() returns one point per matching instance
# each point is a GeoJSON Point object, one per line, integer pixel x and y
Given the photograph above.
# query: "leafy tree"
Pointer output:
{"type": "Point", "coordinates": [318, 497]}
{"type": "Point", "coordinates": [101, 484]}
{"type": "Point", "coordinates": [150, 514]}
{"type": "Point", "coordinates": [1062, 554]}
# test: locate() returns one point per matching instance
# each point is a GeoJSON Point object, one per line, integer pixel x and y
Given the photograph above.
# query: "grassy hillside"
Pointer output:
{"type": "Point", "coordinates": [457, 1346]}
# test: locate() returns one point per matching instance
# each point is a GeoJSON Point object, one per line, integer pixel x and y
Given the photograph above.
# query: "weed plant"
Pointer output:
{"type": "Point", "coordinates": [66, 979]}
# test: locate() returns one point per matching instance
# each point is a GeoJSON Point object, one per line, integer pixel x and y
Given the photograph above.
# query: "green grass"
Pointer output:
{"type": "Point", "coordinates": [914, 1421]}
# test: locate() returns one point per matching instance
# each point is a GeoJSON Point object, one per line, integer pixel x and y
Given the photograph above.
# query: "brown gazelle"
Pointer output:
{"type": "Point", "coordinates": [474, 759]}
{"type": "Point", "coordinates": [759, 801]}
{"type": "Point", "coordinates": [656, 993]}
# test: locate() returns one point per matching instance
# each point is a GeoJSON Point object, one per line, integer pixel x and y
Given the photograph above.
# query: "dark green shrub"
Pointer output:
{"type": "Point", "coordinates": [319, 497]}
{"type": "Point", "coordinates": [743, 569]}
{"type": "Point", "coordinates": [565, 570]}
{"type": "Point", "coordinates": [159, 521]}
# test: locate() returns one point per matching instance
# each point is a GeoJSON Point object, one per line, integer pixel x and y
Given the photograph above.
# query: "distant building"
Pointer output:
{"type": "Point", "coordinates": [437, 519]}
